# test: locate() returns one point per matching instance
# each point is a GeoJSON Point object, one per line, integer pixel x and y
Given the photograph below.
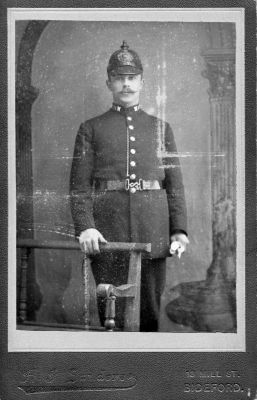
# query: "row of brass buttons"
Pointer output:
{"type": "Point", "coordinates": [132, 151]}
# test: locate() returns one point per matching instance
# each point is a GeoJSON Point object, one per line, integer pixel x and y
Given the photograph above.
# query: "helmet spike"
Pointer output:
{"type": "Point", "coordinates": [124, 45]}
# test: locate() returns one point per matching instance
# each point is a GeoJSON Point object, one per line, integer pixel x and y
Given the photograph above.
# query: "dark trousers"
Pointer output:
{"type": "Point", "coordinates": [112, 268]}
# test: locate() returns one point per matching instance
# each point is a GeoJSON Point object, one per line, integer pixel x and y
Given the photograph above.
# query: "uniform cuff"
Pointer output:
{"type": "Point", "coordinates": [174, 231]}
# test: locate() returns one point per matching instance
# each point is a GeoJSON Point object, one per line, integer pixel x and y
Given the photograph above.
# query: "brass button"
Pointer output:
{"type": "Point", "coordinates": [133, 151]}
{"type": "Point", "coordinates": [129, 118]}
{"type": "Point", "coordinates": [133, 190]}
{"type": "Point", "coordinates": [132, 163]}
{"type": "Point", "coordinates": [132, 138]}
{"type": "Point", "coordinates": [131, 127]}
{"type": "Point", "coordinates": [133, 176]}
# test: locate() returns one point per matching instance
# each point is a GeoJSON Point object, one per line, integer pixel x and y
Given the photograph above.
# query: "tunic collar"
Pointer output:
{"type": "Point", "coordinates": [121, 109]}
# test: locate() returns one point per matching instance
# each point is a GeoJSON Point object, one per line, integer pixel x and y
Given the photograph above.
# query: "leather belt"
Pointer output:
{"type": "Point", "coordinates": [128, 185]}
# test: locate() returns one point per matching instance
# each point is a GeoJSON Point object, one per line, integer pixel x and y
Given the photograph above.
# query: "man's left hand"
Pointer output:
{"type": "Point", "coordinates": [179, 242]}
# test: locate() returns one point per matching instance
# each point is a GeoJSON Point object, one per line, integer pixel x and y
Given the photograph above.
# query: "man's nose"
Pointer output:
{"type": "Point", "coordinates": [126, 81]}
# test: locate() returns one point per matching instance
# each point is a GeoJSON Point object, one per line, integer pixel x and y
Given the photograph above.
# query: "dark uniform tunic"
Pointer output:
{"type": "Point", "coordinates": [109, 148]}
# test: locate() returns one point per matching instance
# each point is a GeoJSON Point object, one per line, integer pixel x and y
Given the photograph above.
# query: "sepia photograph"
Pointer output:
{"type": "Point", "coordinates": [126, 166]}
{"type": "Point", "coordinates": [128, 200]}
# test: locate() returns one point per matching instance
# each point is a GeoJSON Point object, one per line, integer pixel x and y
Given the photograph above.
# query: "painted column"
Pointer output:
{"type": "Point", "coordinates": [220, 71]}
{"type": "Point", "coordinates": [221, 75]}
{"type": "Point", "coordinates": [26, 94]}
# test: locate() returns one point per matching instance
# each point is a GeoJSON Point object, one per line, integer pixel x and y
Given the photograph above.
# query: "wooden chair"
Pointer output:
{"type": "Point", "coordinates": [131, 290]}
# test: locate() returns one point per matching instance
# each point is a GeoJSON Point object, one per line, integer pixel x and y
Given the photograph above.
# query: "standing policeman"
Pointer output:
{"type": "Point", "coordinates": [123, 190]}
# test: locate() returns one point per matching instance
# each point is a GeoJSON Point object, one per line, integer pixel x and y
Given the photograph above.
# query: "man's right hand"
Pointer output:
{"type": "Point", "coordinates": [89, 241]}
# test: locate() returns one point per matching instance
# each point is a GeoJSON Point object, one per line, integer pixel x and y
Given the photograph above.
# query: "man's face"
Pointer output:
{"type": "Point", "coordinates": [125, 89]}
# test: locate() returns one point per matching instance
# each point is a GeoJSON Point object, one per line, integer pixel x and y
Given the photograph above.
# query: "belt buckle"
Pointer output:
{"type": "Point", "coordinates": [141, 184]}
{"type": "Point", "coordinates": [135, 185]}
{"type": "Point", "coordinates": [127, 184]}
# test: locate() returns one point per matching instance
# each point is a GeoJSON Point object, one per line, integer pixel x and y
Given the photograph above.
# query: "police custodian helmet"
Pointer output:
{"type": "Point", "coordinates": [124, 61]}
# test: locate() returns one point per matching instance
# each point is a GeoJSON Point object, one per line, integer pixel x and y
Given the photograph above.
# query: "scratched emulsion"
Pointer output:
{"type": "Point", "coordinates": [161, 97]}
{"type": "Point", "coordinates": [69, 70]}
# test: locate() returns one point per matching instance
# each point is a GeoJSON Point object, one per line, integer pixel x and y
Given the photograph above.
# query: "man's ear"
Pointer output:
{"type": "Point", "coordinates": [108, 83]}
{"type": "Point", "coordinates": [142, 83]}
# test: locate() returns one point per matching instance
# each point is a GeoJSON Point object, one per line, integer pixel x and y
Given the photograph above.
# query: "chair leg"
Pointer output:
{"type": "Point", "coordinates": [110, 314]}
{"type": "Point", "coordinates": [132, 310]}
{"type": "Point", "coordinates": [23, 306]}
{"type": "Point", "coordinates": [86, 267]}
